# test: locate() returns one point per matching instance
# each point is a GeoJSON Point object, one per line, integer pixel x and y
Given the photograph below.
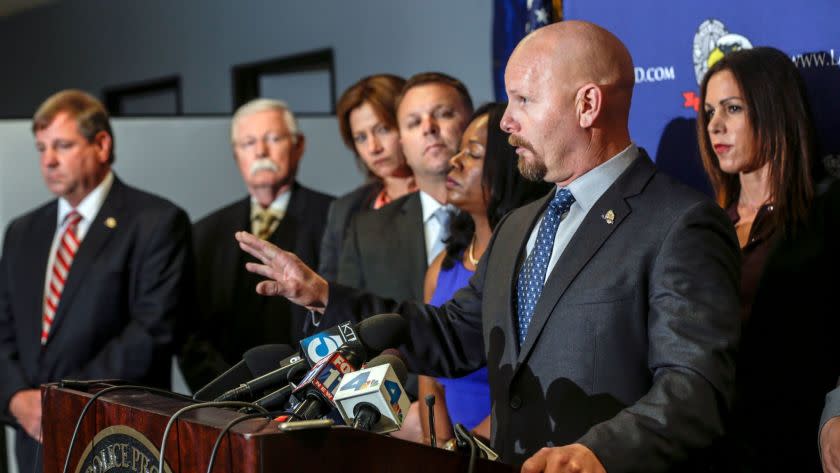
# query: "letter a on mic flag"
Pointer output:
{"type": "Point", "coordinates": [512, 20]}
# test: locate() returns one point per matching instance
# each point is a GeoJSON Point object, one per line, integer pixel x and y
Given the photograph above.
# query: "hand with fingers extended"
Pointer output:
{"type": "Point", "coordinates": [286, 274]}
{"type": "Point", "coordinates": [575, 458]}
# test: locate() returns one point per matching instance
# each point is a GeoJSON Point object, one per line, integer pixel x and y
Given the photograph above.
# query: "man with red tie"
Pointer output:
{"type": "Point", "coordinates": [91, 282]}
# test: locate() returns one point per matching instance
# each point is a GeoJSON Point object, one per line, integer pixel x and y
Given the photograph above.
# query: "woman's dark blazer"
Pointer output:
{"type": "Point", "coordinates": [338, 219]}
{"type": "Point", "coordinates": [790, 351]}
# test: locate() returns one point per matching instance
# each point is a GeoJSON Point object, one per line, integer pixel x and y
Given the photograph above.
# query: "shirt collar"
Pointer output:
{"type": "Point", "coordinates": [762, 227]}
{"type": "Point", "coordinates": [589, 187]}
{"type": "Point", "coordinates": [278, 206]}
{"type": "Point", "coordinates": [90, 205]}
{"type": "Point", "coordinates": [429, 205]}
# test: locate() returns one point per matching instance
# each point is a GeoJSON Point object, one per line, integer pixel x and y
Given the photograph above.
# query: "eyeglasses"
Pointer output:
{"type": "Point", "coordinates": [269, 139]}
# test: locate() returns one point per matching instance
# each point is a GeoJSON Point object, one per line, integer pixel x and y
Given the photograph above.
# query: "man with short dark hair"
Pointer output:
{"type": "Point", "coordinates": [92, 282]}
{"type": "Point", "coordinates": [230, 319]}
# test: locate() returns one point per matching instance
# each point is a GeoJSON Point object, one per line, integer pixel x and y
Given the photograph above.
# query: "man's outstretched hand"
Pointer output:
{"type": "Point", "coordinates": [286, 274]}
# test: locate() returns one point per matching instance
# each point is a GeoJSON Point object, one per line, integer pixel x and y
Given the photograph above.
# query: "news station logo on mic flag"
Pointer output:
{"type": "Point", "coordinates": [512, 20]}
{"type": "Point", "coordinates": [322, 344]}
{"type": "Point", "coordinates": [378, 386]}
{"type": "Point", "coordinates": [326, 375]}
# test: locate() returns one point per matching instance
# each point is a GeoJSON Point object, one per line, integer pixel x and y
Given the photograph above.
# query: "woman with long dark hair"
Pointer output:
{"type": "Point", "coordinates": [757, 142]}
{"type": "Point", "coordinates": [484, 184]}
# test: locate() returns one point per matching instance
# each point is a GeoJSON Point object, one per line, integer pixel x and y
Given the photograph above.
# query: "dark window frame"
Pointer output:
{"type": "Point", "coordinates": [115, 94]}
{"type": "Point", "coordinates": [246, 77]}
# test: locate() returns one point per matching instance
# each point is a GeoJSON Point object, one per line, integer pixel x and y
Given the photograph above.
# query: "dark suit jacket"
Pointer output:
{"type": "Point", "coordinates": [790, 355]}
{"type": "Point", "coordinates": [341, 212]}
{"type": "Point", "coordinates": [231, 317]}
{"type": "Point", "coordinates": [385, 251]}
{"type": "Point", "coordinates": [630, 350]}
{"type": "Point", "coordinates": [126, 287]}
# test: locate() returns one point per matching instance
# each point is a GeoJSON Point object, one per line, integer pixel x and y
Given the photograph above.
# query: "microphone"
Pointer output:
{"type": "Point", "coordinates": [249, 389]}
{"type": "Point", "coordinates": [255, 362]}
{"type": "Point", "coordinates": [380, 332]}
{"type": "Point", "coordinates": [278, 399]}
{"type": "Point", "coordinates": [375, 333]}
{"type": "Point", "coordinates": [318, 387]}
{"type": "Point", "coordinates": [373, 399]}
{"type": "Point", "coordinates": [323, 343]}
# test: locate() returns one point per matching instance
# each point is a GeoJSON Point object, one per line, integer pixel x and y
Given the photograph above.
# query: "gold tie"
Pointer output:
{"type": "Point", "coordinates": [265, 222]}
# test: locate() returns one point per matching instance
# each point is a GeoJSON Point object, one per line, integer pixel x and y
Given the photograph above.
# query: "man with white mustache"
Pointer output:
{"type": "Point", "coordinates": [230, 317]}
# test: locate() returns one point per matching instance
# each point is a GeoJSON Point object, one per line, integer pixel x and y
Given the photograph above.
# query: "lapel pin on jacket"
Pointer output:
{"type": "Point", "coordinates": [111, 222]}
{"type": "Point", "coordinates": [609, 217]}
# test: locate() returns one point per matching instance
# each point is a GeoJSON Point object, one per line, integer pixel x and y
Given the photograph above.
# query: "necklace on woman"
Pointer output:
{"type": "Point", "coordinates": [470, 254]}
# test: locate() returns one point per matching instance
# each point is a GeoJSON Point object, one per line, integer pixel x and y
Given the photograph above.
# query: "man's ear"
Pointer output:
{"type": "Point", "coordinates": [588, 103]}
{"type": "Point", "coordinates": [104, 143]}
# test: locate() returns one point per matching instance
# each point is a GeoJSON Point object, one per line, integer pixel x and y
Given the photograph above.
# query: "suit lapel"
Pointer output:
{"type": "Point", "coordinates": [97, 235]}
{"type": "Point", "coordinates": [230, 256]}
{"type": "Point", "coordinates": [406, 222]}
{"type": "Point", "coordinates": [521, 224]}
{"type": "Point", "coordinates": [589, 237]}
{"type": "Point", "coordinates": [38, 243]}
{"type": "Point", "coordinates": [286, 232]}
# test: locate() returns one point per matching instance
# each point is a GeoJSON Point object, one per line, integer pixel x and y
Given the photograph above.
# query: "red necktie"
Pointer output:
{"type": "Point", "coordinates": [66, 251]}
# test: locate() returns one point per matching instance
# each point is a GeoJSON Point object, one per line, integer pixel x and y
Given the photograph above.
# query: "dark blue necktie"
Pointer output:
{"type": "Point", "coordinates": [532, 275]}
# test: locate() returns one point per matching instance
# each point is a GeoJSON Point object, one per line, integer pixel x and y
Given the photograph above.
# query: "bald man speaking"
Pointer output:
{"type": "Point", "coordinates": [606, 312]}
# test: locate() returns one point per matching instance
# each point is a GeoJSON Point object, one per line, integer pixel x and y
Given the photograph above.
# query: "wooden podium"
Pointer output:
{"type": "Point", "coordinates": [120, 424]}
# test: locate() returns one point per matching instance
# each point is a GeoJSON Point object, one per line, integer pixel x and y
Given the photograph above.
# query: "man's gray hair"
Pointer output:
{"type": "Point", "coordinates": [261, 105]}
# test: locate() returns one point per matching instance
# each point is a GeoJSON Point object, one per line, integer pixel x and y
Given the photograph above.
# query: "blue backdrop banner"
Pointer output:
{"type": "Point", "coordinates": [673, 43]}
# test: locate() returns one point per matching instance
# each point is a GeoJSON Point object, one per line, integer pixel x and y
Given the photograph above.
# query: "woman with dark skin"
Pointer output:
{"type": "Point", "coordinates": [757, 143]}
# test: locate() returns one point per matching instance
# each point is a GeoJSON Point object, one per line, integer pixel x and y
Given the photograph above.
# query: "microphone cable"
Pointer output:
{"type": "Point", "coordinates": [193, 407]}
{"type": "Point", "coordinates": [224, 431]}
{"type": "Point", "coordinates": [100, 394]}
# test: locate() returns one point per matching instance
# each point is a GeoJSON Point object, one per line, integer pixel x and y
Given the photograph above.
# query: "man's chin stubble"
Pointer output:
{"type": "Point", "coordinates": [534, 171]}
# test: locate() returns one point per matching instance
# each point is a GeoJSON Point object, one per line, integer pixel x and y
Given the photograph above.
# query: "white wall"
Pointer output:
{"type": "Point", "coordinates": [92, 44]}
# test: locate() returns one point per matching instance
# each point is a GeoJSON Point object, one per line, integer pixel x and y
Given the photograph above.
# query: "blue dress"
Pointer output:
{"type": "Point", "coordinates": [468, 397]}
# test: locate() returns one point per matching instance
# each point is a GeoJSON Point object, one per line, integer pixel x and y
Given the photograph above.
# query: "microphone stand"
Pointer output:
{"type": "Point", "coordinates": [430, 403]}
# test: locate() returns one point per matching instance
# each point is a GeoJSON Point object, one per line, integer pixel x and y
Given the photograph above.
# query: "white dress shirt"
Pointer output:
{"type": "Point", "coordinates": [88, 208]}
{"type": "Point", "coordinates": [278, 206]}
{"type": "Point", "coordinates": [432, 229]}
